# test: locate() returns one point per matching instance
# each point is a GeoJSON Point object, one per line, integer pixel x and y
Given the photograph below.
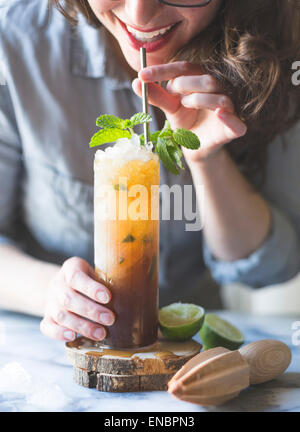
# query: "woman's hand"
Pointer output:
{"type": "Point", "coordinates": [193, 101]}
{"type": "Point", "coordinates": [74, 303]}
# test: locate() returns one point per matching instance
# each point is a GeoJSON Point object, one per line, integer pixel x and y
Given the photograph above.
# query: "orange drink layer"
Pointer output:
{"type": "Point", "coordinates": [127, 242]}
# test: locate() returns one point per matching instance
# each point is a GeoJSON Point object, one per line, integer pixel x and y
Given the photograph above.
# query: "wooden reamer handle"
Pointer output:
{"type": "Point", "coordinates": [267, 359]}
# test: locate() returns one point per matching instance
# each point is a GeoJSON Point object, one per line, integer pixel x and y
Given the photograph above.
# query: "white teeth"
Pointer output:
{"type": "Point", "coordinates": [149, 35]}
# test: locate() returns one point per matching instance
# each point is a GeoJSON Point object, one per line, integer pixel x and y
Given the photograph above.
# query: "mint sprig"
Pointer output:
{"type": "Point", "coordinates": [162, 149]}
{"type": "Point", "coordinates": [166, 142]}
{"type": "Point", "coordinates": [140, 118]}
{"type": "Point", "coordinates": [108, 135]}
{"type": "Point", "coordinates": [110, 121]}
{"type": "Point", "coordinates": [175, 153]}
{"type": "Point", "coordinates": [186, 138]}
{"type": "Point", "coordinates": [113, 128]}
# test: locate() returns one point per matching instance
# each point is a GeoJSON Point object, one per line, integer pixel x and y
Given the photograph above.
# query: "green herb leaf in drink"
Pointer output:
{"type": "Point", "coordinates": [175, 154]}
{"type": "Point", "coordinates": [166, 142]}
{"type": "Point", "coordinates": [152, 268]}
{"type": "Point", "coordinates": [110, 121]}
{"type": "Point", "coordinates": [152, 138]}
{"type": "Point", "coordinates": [161, 149]}
{"type": "Point", "coordinates": [108, 135]}
{"type": "Point", "coordinates": [166, 130]}
{"type": "Point", "coordinates": [120, 187]}
{"type": "Point", "coordinates": [128, 239]}
{"type": "Point", "coordinates": [186, 138]}
{"type": "Point", "coordinates": [140, 118]}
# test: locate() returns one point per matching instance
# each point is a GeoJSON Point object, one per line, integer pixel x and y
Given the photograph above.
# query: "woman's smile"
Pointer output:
{"type": "Point", "coordinates": [152, 39]}
{"type": "Point", "coordinates": [163, 30]}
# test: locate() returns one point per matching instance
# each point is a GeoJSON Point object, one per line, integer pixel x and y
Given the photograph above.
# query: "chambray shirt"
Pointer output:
{"type": "Point", "coordinates": [58, 81]}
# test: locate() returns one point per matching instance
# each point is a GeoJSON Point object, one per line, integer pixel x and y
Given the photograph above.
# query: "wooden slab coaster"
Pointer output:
{"type": "Point", "coordinates": [163, 357]}
{"type": "Point", "coordinates": [121, 383]}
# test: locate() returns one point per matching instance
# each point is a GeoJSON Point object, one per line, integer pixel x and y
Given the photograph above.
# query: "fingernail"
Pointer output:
{"type": "Point", "coordinates": [99, 333]}
{"type": "Point", "coordinates": [69, 335]}
{"type": "Point", "coordinates": [170, 87]}
{"type": "Point", "coordinates": [134, 82]}
{"type": "Point", "coordinates": [185, 100]}
{"type": "Point", "coordinates": [106, 318]}
{"type": "Point", "coordinates": [102, 296]}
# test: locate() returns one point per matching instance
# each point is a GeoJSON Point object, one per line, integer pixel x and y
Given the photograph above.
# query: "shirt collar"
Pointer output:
{"type": "Point", "coordinates": [92, 57]}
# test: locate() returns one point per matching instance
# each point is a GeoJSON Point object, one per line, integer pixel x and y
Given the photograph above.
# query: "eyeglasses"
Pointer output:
{"type": "Point", "coordinates": [182, 3]}
{"type": "Point", "coordinates": [186, 3]}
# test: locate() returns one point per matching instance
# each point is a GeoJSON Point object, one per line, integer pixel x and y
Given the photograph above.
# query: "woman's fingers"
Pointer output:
{"type": "Point", "coordinates": [76, 277]}
{"type": "Point", "coordinates": [195, 100]}
{"type": "Point", "coordinates": [158, 96]}
{"type": "Point", "coordinates": [234, 127]}
{"type": "Point", "coordinates": [73, 303]}
{"type": "Point", "coordinates": [80, 305]}
{"type": "Point", "coordinates": [51, 329]}
{"type": "Point", "coordinates": [207, 101]}
{"type": "Point", "coordinates": [194, 84]}
{"type": "Point", "coordinates": [165, 72]}
{"type": "Point", "coordinates": [77, 324]}
{"type": "Point", "coordinates": [170, 103]}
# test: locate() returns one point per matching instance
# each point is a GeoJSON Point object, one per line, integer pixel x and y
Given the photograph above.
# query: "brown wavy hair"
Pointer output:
{"type": "Point", "coordinates": [250, 47]}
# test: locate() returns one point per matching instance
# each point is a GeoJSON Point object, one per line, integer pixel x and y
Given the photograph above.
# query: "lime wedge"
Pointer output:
{"type": "Point", "coordinates": [180, 321]}
{"type": "Point", "coordinates": [217, 332]}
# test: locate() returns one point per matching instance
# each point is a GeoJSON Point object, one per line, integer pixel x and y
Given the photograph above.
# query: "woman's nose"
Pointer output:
{"type": "Point", "coordinates": [142, 12]}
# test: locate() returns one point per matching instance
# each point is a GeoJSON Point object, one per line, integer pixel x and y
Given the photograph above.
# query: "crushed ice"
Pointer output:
{"type": "Point", "coordinates": [36, 392]}
{"type": "Point", "coordinates": [127, 149]}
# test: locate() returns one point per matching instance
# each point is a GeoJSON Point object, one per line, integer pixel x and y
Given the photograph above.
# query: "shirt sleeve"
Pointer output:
{"type": "Point", "coordinates": [10, 165]}
{"type": "Point", "coordinates": [275, 261]}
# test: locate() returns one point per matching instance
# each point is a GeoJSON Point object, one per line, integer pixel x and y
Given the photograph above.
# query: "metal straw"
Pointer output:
{"type": "Point", "coordinates": [145, 95]}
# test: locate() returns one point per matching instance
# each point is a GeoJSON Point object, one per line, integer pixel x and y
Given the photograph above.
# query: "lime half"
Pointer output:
{"type": "Point", "coordinates": [217, 332]}
{"type": "Point", "coordinates": [180, 321]}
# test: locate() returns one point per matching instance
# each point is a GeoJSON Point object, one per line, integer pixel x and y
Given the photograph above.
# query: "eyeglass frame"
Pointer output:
{"type": "Point", "coordinates": [166, 2]}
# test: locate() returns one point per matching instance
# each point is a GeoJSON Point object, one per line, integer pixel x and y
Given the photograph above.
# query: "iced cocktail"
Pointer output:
{"type": "Point", "coordinates": [127, 239]}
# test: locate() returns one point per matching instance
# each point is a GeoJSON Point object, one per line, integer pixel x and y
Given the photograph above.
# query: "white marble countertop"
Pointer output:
{"type": "Point", "coordinates": [36, 376]}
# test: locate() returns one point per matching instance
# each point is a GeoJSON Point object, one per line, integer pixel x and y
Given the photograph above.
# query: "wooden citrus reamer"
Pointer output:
{"type": "Point", "coordinates": [218, 375]}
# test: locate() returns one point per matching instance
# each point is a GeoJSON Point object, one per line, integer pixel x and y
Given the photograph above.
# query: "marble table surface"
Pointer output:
{"type": "Point", "coordinates": [36, 376]}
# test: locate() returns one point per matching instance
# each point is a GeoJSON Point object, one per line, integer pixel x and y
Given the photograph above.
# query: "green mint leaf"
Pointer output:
{"type": "Point", "coordinates": [186, 139]}
{"type": "Point", "coordinates": [104, 136]}
{"type": "Point", "coordinates": [120, 187]}
{"type": "Point", "coordinates": [128, 239]}
{"type": "Point", "coordinates": [140, 118]}
{"type": "Point", "coordinates": [153, 138]}
{"type": "Point", "coordinates": [152, 269]}
{"type": "Point", "coordinates": [167, 130]}
{"type": "Point", "coordinates": [127, 124]}
{"type": "Point", "coordinates": [175, 154]}
{"type": "Point", "coordinates": [107, 121]}
{"type": "Point", "coordinates": [163, 152]}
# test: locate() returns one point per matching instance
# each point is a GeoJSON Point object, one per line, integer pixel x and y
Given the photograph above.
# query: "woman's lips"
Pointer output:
{"type": "Point", "coordinates": [149, 46]}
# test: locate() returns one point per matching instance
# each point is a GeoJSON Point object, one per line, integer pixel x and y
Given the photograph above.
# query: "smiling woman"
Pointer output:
{"type": "Point", "coordinates": [248, 46]}
{"type": "Point", "coordinates": [227, 66]}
